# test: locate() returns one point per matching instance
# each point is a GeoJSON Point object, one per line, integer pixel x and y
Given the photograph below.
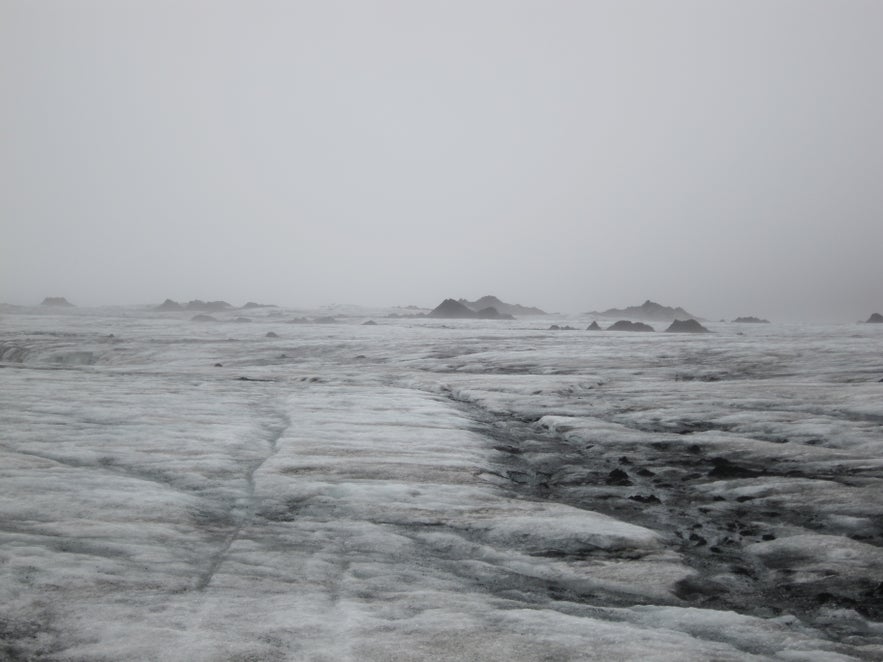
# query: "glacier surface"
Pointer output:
{"type": "Point", "coordinates": [411, 490]}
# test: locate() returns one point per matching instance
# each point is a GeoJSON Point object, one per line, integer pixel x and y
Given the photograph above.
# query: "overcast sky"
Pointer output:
{"type": "Point", "coordinates": [726, 157]}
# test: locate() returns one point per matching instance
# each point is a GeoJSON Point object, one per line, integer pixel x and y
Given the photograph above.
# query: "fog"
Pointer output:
{"type": "Point", "coordinates": [725, 157]}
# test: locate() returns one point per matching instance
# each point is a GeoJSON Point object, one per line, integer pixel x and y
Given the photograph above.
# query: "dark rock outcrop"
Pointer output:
{"type": "Point", "coordinates": [594, 326]}
{"type": "Point", "coordinates": [627, 325]}
{"type": "Point", "coordinates": [252, 304]}
{"type": "Point", "coordinates": [271, 334]}
{"type": "Point", "coordinates": [875, 318]}
{"type": "Point", "coordinates": [369, 323]}
{"type": "Point", "coordinates": [450, 309]}
{"type": "Point", "coordinates": [556, 327]}
{"type": "Point", "coordinates": [649, 310]}
{"type": "Point", "coordinates": [501, 307]}
{"type": "Point", "coordinates": [242, 320]}
{"type": "Point", "coordinates": [750, 320]}
{"type": "Point", "coordinates": [686, 326]}
{"type": "Point", "coordinates": [169, 306]}
{"type": "Point", "coordinates": [60, 302]}
{"type": "Point", "coordinates": [202, 317]}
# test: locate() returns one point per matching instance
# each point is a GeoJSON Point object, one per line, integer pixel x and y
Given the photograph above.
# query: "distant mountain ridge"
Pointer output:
{"type": "Point", "coordinates": [450, 309]}
{"type": "Point", "coordinates": [649, 310]}
{"type": "Point", "coordinates": [490, 301]}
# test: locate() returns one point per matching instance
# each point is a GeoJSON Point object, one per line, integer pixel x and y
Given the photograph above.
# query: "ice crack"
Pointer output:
{"type": "Point", "coordinates": [249, 503]}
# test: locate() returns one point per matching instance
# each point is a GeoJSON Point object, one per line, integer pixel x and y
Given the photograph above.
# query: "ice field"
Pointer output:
{"type": "Point", "coordinates": [436, 490]}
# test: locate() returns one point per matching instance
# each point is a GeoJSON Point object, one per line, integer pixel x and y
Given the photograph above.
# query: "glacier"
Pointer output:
{"type": "Point", "coordinates": [417, 490]}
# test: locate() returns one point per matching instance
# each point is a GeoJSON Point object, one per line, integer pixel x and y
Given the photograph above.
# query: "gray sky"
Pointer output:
{"type": "Point", "coordinates": [726, 157]}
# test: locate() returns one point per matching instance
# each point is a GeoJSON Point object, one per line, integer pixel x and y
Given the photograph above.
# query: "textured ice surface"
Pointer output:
{"type": "Point", "coordinates": [413, 490]}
